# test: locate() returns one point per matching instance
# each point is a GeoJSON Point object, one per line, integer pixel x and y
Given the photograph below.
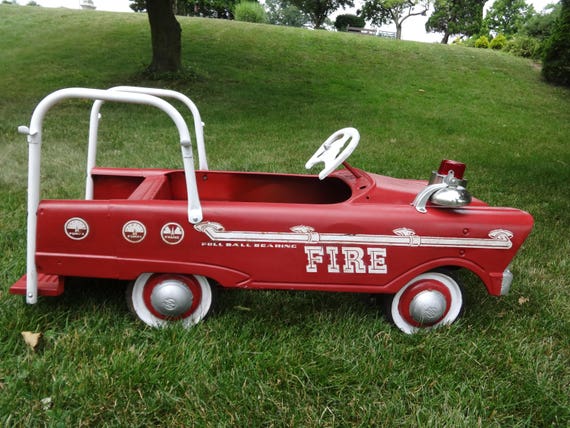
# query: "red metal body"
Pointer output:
{"type": "Point", "coordinates": [271, 231]}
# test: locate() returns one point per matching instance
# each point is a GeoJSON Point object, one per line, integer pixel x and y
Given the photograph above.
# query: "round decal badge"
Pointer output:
{"type": "Point", "coordinates": [76, 228]}
{"type": "Point", "coordinates": [134, 231]}
{"type": "Point", "coordinates": [172, 233]}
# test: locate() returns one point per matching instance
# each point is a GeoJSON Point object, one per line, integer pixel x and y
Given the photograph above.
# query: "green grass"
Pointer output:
{"type": "Point", "coordinates": [269, 97]}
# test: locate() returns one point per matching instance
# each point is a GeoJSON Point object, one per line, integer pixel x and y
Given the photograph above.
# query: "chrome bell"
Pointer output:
{"type": "Point", "coordinates": [455, 194]}
{"type": "Point", "coordinates": [446, 188]}
{"type": "Point", "coordinates": [452, 197]}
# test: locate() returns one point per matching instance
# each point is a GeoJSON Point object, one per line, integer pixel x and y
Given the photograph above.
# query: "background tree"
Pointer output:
{"type": "Point", "coordinates": [282, 12]}
{"type": "Point", "coordinates": [508, 16]}
{"type": "Point", "coordinates": [531, 40]}
{"type": "Point", "coordinates": [318, 10]}
{"type": "Point", "coordinates": [381, 12]}
{"type": "Point", "coordinates": [452, 17]}
{"type": "Point", "coordinates": [165, 35]}
{"type": "Point", "coordinates": [541, 25]}
{"type": "Point", "coordinates": [556, 63]}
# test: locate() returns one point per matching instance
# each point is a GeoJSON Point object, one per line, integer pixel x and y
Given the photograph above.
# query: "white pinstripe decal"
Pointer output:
{"type": "Point", "coordinates": [403, 237]}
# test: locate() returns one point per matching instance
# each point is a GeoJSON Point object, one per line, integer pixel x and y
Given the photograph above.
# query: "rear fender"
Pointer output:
{"type": "Point", "coordinates": [224, 276]}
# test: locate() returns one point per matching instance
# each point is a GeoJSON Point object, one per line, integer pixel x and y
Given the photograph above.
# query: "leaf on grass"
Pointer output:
{"type": "Point", "coordinates": [46, 403]}
{"type": "Point", "coordinates": [31, 339]}
{"type": "Point", "coordinates": [523, 300]}
{"type": "Point", "coordinates": [243, 308]}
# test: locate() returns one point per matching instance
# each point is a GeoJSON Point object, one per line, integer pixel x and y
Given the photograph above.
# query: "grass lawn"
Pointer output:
{"type": "Point", "coordinates": [269, 96]}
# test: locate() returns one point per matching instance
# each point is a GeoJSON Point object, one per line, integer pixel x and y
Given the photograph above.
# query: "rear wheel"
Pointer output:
{"type": "Point", "coordinates": [162, 299]}
{"type": "Point", "coordinates": [429, 300]}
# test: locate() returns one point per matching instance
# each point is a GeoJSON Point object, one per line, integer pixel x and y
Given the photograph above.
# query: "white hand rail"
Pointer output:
{"type": "Point", "coordinates": [94, 126]}
{"type": "Point", "coordinates": [34, 137]}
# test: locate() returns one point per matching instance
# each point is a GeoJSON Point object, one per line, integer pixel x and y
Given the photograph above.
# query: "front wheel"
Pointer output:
{"type": "Point", "coordinates": [429, 300]}
{"type": "Point", "coordinates": [162, 299]}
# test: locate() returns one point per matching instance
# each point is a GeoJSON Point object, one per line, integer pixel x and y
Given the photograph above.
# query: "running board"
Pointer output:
{"type": "Point", "coordinates": [48, 285]}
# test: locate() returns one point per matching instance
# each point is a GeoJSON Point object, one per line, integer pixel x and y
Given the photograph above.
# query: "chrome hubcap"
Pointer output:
{"type": "Point", "coordinates": [428, 307]}
{"type": "Point", "coordinates": [171, 298]}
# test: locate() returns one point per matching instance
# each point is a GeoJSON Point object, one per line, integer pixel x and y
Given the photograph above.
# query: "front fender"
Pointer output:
{"type": "Point", "coordinates": [496, 283]}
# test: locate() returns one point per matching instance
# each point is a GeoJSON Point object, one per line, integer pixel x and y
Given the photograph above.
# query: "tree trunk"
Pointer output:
{"type": "Point", "coordinates": [165, 34]}
{"type": "Point", "coordinates": [398, 30]}
{"type": "Point", "coordinates": [445, 39]}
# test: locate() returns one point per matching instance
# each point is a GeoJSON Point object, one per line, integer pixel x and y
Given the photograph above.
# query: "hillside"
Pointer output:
{"type": "Point", "coordinates": [269, 96]}
{"type": "Point", "coordinates": [420, 95]}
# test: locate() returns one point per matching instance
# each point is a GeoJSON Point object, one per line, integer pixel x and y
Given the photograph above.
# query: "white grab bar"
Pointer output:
{"type": "Point", "coordinates": [94, 127]}
{"type": "Point", "coordinates": [34, 138]}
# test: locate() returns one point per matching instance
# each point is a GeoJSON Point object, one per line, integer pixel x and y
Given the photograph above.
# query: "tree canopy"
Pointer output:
{"type": "Point", "coordinates": [456, 17]}
{"type": "Point", "coordinates": [281, 12]}
{"type": "Point", "coordinates": [541, 25]}
{"type": "Point", "coordinates": [319, 10]}
{"type": "Point", "coordinates": [205, 8]}
{"type": "Point", "coordinates": [508, 16]}
{"type": "Point", "coordinates": [381, 12]}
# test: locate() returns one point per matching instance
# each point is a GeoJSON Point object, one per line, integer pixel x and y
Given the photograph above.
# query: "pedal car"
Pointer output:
{"type": "Point", "coordinates": [176, 234]}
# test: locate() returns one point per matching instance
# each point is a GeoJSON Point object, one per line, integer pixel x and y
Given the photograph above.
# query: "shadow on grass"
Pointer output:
{"type": "Point", "coordinates": [93, 303]}
{"type": "Point", "coordinates": [92, 298]}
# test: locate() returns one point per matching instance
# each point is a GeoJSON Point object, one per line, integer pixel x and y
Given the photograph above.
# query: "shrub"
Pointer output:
{"type": "Point", "coordinates": [527, 47]}
{"type": "Point", "coordinates": [556, 62]}
{"type": "Point", "coordinates": [343, 21]}
{"type": "Point", "coordinates": [469, 42]}
{"type": "Point", "coordinates": [498, 42]}
{"type": "Point", "coordinates": [250, 11]}
{"type": "Point", "coordinates": [482, 42]}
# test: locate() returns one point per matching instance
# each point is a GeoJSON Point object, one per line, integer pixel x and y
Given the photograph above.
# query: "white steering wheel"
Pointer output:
{"type": "Point", "coordinates": [335, 150]}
